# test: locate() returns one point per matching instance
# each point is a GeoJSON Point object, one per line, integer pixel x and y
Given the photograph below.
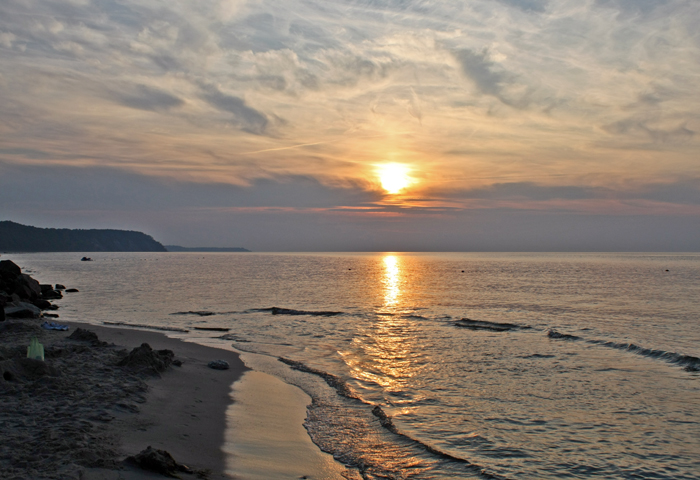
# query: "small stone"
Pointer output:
{"type": "Point", "coordinates": [219, 365]}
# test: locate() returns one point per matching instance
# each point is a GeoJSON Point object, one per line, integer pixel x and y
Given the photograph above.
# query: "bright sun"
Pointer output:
{"type": "Point", "coordinates": [394, 177]}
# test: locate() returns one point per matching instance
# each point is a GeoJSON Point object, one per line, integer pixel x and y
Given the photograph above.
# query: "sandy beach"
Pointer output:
{"type": "Point", "coordinates": [80, 415]}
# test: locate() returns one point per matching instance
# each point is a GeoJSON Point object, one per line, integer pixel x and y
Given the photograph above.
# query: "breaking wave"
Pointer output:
{"type": "Point", "coordinates": [689, 362]}
{"type": "Point", "coordinates": [491, 326]}
{"type": "Point", "coordinates": [363, 463]}
{"type": "Point", "coordinates": [290, 311]}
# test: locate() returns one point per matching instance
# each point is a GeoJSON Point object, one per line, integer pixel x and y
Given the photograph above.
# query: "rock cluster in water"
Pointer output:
{"type": "Point", "coordinates": [23, 297]}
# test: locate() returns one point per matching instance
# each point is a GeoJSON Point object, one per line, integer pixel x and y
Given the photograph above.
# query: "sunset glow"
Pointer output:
{"type": "Point", "coordinates": [480, 120]}
{"type": "Point", "coordinates": [394, 177]}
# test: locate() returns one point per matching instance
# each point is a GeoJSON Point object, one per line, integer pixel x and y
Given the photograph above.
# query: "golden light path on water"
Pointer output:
{"type": "Point", "coordinates": [392, 289]}
{"type": "Point", "coordinates": [385, 350]}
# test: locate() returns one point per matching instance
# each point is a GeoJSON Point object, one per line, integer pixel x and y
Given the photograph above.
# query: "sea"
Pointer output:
{"type": "Point", "coordinates": [440, 365]}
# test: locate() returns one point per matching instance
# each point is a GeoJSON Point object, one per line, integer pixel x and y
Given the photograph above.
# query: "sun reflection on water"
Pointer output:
{"type": "Point", "coordinates": [392, 278]}
{"type": "Point", "coordinates": [385, 350]}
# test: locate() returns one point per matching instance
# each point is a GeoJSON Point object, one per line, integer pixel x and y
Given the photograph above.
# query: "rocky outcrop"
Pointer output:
{"type": "Point", "coordinates": [15, 237]}
{"type": "Point", "coordinates": [21, 296]}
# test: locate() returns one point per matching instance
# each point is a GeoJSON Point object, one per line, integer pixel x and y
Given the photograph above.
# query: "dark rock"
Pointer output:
{"type": "Point", "coordinates": [59, 287]}
{"type": "Point", "coordinates": [50, 315]}
{"type": "Point", "coordinates": [177, 362]}
{"type": "Point", "coordinates": [42, 304]}
{"type": "Point", "coordinates": [45, 287]}
{"type": "Point", "coordinates": [2, 313]}
{"type": "Point", "coordinates": [29, 287]}
{"type": "Point", "coordinates": [72, 290]}
{"type": "Point", "coordinates": [52, 294]}
{"type": "Point", "coordinates": [22, 310]}
{"type": "Point", "coordinates": [159, 461]}
{"type": "Point", "coordinates": [52, 307]}
{"type": "Point", "coordinates": [86, 259]}
{"type": "Point", "coordinates": [145, 359]}
{"type": "Point", "coordinates": [10, 268]}
{"type": "Point", "coordinates": [219, 365]}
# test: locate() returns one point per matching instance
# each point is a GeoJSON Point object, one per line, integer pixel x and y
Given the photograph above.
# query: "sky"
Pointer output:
{"type": "Point", "coordinates": [503, 125]}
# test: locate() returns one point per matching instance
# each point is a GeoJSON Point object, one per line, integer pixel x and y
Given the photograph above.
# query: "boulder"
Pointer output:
{"type": "Point", "coordinates": [42, 304]}
{"type": "Point", "coordinates": [72, 290]}
{"type": "Point", "coordinates": [219, 365]}
{"type": "Point", "coordinates": [52, 294]}
{"type": "Point", "coordinates": [59, 287]}
{"type": "Point", "coordinates": [32, 287]}
{"type": "Point", "coordinates": [9, 268]}
{"type": "Point", "coordinates": [22, 310]}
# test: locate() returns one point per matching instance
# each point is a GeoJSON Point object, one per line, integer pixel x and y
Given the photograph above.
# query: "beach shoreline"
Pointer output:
{"type": "Point", "coordinates": [187, 410]}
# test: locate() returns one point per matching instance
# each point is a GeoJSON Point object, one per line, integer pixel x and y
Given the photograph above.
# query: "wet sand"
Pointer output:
{"type": "Point", "coordinates": [82, 415]}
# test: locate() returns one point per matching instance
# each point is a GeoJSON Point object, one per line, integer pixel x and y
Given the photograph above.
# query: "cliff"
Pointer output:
{"type": "Point", "coordinates": [22, 238]}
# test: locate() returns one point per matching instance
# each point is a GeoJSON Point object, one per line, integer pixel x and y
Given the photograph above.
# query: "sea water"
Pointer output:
{"type": "Point", "coordinates": [428, 366]}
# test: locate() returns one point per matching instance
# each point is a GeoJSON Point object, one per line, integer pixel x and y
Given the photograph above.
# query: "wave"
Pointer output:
{"type": "Point", "coordinates": [203, 313]}
{"type": "Point", "coordinates": [151, 327]}
{"type": "Point", "coordinates": [689, 362]}
{"type": "Point", "coordinates": [193, 312]}
{"type": "Point", "coordinates": [385, 420]}
{"type": "Point", "coordinates": [491, 326]}
{"type": "Point", "coordinates": [290, 311]}
{"type": "Point", "coordinates": [562, 336]}
{"type": "Point", "coordinates": [333, 381]}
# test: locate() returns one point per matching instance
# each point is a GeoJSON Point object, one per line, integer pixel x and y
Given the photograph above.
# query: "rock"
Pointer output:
{"type": "Point", "coordinates": [59, 287]}
{"type": "Point", "coordinates": [22, 310]}
{"type": "Point", "coordinates": [52, 294]}
{"type": "Point", "coordinates": [45, 287]}
{"type": "Point", "coordinates": [10, 268]}
{"type": "Point", "coordinates": [86, 259]}
{"type": "Point", "coordinates": [42, 304]}
{"type": "Point", "coordinates": [28, 287]}
{"type": "Point", "coordinates": [145, 359]}
{"type": "Point", "coordinates": [50, 315]}
{"type": "Point", "coordinates": [72, 290]}
{"type": "Point", "coordinates": [219, 365]}
{"type": "Point", "coordinates": [159, 461]}
{"type": "Point", "coordinates": [2, 314]}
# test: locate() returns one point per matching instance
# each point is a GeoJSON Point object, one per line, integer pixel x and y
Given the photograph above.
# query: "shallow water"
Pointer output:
{"type": "Point", "coordinates": [612, 392]}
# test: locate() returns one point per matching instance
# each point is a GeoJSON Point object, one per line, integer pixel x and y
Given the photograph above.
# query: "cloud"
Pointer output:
{"type": "Point", "coordinates": [527, 5]}
{"type": "Point", "coordinates": [639, 126]}
{"type": "Point", "coordinates": [143, 97]}
{"type": "Point", "coordinates": [632, 7]}
{"type": "Point", "coordinates": [249, 119]}
{"type": "Point", "coordinates": [492, 79]}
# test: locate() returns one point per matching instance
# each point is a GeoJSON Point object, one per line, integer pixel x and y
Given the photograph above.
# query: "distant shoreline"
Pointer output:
{"type": "Point", "coordinates": [177, 248]}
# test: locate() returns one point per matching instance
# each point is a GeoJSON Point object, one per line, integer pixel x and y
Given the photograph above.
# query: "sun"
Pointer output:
{"type": "Point", "coordinates": [394, 177]}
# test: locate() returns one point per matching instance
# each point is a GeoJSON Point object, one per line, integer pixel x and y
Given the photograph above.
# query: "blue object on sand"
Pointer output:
{"type": "Point", "coordinates": [54, 326]}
